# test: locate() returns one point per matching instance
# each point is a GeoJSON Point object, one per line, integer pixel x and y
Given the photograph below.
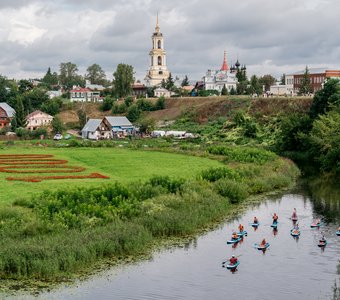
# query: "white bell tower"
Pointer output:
{"type": "Point", "coordinates": [158, 69]}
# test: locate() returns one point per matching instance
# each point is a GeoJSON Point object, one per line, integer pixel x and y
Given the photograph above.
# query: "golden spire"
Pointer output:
{"type": "Point", "coordinates": [157, 26]}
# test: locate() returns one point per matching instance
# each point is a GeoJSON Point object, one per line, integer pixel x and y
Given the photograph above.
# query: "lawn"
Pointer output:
{"type": "Point", "coordinates": [121, 165]}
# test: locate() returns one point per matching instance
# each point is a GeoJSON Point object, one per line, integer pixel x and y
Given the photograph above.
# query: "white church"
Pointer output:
{"type": "Point", "coordinates": [217, 79]}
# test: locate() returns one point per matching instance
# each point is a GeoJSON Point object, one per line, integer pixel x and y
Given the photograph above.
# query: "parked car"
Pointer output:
{"type": "Point", "coordinates": [58, 137]}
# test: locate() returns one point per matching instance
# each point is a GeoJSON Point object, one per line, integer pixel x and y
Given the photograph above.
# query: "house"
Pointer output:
{"type": "Point", "coordinates": [159, 92]}
{"type": "Point", "coordinates": [139, 90]}
{"type": "Point", "coordinates": [96, 129]}
{"type": "Point", "coordinates": [120, 126]}
{"type": "Point", "coordinates": [79, 94]}
{"type": "Point", "coordinates": [6, 114]}
{"type": "Point", "coordinates": [38, 119]}
{"type": "Point", "coordinates": [94, 87]}
{"type": "Point", "coordinates": [53, 94]}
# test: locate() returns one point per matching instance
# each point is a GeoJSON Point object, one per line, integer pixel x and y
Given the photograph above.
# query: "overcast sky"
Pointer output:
{"type": "Point", "coordinates": [269, 36]}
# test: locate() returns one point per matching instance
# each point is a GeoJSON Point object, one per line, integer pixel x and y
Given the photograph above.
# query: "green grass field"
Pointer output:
{"type": "Point", "coordinates": [119, 164]}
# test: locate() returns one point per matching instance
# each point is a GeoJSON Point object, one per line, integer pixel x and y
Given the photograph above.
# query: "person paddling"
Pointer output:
{"type": "Point", "coordinates": [275, 218]}
{"type": "Point", "coordinates": [233, 260]}
{"type": "Point", "coordinates": [263, 243]}
{"type": "Point", "coordinates": [294, 214]}
{"type": "Point", "coordinates": [234, 236]}
{"type": "Point", "coordinates": [256, 221]}
{"type": "Point", "coordinates": [322, 240]}
{"type": "Point", "coordinates": [240, 228]}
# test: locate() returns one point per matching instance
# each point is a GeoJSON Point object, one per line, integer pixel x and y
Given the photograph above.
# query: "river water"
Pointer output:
{"type": "Point", "coordinates": [290, 269]}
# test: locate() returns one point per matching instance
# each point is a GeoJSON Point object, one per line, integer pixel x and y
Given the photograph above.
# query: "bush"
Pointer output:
{"type": "Point", "coordinates": [214, 174]}
{"type": "Point", "coordinates": [235, 191]}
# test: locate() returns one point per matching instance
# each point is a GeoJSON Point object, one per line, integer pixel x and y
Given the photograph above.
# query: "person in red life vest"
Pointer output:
{"type": "Point", "coordinates": [275, 218]}
{"type": "Point", "coordinates": [233, 260]}
{"type": "Point", "coordinates": [263, 243]}
{"type": "Point", "coordinates": [240, 228]}
{"type": "Point", "coordinates": [256, 221]}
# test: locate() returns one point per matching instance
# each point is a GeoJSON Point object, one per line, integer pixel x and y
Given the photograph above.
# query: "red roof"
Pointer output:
{"type": "Point", "coordinates": [225, 64]}
{"type": "Point", "coordinates": [81, 90]}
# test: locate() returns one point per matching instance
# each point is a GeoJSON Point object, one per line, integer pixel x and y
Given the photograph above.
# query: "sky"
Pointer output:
{"type": "Point", "coordinates": [269, 36]}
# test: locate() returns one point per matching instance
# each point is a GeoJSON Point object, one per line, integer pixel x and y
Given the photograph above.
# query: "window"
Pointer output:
{"type": "Point", "coordinates": [159, 45]}
{"type": "Point", "coordinates": [160, 72]}
{"type": "Point", "coordinates": [159, 60]}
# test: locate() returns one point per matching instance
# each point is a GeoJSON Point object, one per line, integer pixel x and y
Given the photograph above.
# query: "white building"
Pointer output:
{"type": "Point", "coordinates": [217, 79]}
{"type": "Point", "coordinates": [38, 119]}
{"type": "Point", "coordinates": [159, 92]}
{"type": "Point", "coordinates": [158, 70]}
{"type": "Point", "coordinates": [79, 94]}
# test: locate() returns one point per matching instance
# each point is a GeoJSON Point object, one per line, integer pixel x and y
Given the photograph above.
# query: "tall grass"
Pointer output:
{"type": "Point", "coordinates": [58, 233]}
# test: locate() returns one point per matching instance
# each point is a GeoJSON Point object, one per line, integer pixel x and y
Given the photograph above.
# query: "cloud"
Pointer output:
{"type": "Point", "coordinates": [269, 36]}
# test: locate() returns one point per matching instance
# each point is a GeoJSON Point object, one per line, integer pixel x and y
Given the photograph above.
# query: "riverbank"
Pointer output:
{"type": "Point", "coordinates": [55, 236]}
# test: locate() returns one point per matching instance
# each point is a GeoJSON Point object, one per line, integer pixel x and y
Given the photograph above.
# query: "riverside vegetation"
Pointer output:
{"type": "Point", "coordinates": [56, 234]}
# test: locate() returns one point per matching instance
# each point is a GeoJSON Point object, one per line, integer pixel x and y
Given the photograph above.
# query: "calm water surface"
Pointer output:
{"type": "Point", "coordinates": [289, 269]}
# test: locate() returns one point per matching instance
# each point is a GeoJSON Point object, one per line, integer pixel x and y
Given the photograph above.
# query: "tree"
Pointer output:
{"type": "Point", "coordinates": [147, 125]}
{"type": "Point", "coordinates": [185, 81]}
{"type": "Point", "coordinates": [57, 125]}
{"type": "Point", "coordinates": [305, 86]}
{"type": "Point", "coordinates": [133, 113]}
{"type": "Point", "coordinates": [169, 84]}
{"type": "Point", "coordinates": [326, 98]}
{"type": "Point", "coordinates": [68, 75]}
{"type": "Point", "coordinates": [50, 79]}
{"type": "Point", "coordinates": [24, 86]}
{"type": "Point", "coordinates": [224, 91]}
{"type": "Point", "coordinates": [52, 106]}
{"type": "Point", "coordinates": [35, 98]}
{"type": "Point", "coordinates": [95, 74]}
{"type": "Point", "coordinates": [267, 81]}
{"type": "Point", "coordinates": [232, 91]}
{"type": "Point", "coordinates": [123, 79]}
{"type": "Point", "coordinates": [3, 88]}
{"type": "Point", "coordinates": [107, 104]}
{"type": "Point", "coordinates": [20, 115]}
{"type": "Point", "coordinates": [82, 117]}
{"type": "Point", "coordinates": [283, 79]}
{"type": "Point", "coordinates": [325, 140]}
{"type": "Point", "coordinates": [255, 85]}
{"type": "Point", "coordinates": [163, 83]}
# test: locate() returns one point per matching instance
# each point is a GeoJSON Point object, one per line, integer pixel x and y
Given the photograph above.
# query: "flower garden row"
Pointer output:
{"type": "Point", "coordinates": [40, 163]}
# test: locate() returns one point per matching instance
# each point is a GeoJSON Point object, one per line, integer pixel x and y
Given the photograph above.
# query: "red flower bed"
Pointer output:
{"type": "Point", "coordinates": [48, 169]}
{"type": "Point", "coordinates": [41, 178]}
{"type": "Point", "coordinates": [40, 163]}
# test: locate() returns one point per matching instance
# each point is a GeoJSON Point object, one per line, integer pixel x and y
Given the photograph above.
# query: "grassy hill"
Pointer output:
{"type": "Point", "coordinates": [206, 108]}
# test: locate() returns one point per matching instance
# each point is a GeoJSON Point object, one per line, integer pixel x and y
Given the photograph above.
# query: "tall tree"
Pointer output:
{"type": "Point", "coordinates": [185, 81]}
{"type": "Point", "coordinates": [305, 86]}
{"type": "Point", "coordinates": [69, 76]}
{"type": "Point", "coordinates": [169, 84]}
{"type": "Point", "coordinates": [163, 83]}
{"type": "Point", "coordinates": [255, 84]}
{"type": "Point", "coordinates": [283, 79]}
{"type": "Point", "coordinates": [50, 78]}
{"type": "Point", "coordinates": [224, 91]}
{"type": "Point", "coordinates": [123, 79]}
{"type": "Point", "coordinates": [24, 86]}
{"type": "Point", "coordinates": [267, 81]}
{"type": "Point", "coordinates": [95, 74]}
{"type": "Point", "coordinates": [20, 115]}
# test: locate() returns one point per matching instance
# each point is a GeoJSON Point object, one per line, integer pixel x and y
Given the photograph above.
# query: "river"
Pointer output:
{"type": "Point", "coordinates": [290, 269]}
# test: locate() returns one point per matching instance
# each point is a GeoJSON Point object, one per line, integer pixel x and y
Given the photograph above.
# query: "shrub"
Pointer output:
{"type": "Point", "coordinates": [235, 191]}
{"type": "Point", "coordinates": [214, 174]}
